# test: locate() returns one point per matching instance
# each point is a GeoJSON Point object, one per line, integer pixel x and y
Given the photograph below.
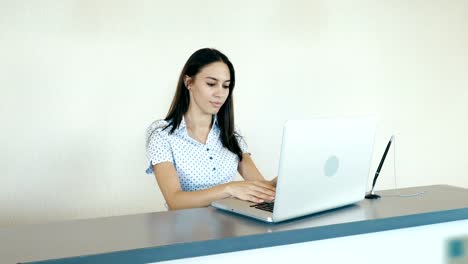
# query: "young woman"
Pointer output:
{"type": "Point", "coordinates": [195, 151]}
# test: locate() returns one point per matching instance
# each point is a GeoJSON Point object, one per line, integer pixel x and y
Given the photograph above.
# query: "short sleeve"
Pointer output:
{"type": "Point", "coordinates": [158, 149]}
{"type": "Point", "coordinates": [241, 141]}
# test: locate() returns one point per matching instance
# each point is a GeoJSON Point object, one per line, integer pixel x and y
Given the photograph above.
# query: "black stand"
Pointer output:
{"type": "Point", "coordinates": [372, 196]}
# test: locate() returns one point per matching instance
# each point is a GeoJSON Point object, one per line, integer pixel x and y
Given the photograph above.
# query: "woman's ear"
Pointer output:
{"type": "Point", "coordinates": [187, 81]}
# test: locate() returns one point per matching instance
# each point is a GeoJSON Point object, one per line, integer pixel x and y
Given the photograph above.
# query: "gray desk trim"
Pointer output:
{"type": "Point", "coordinates": [235, 233]}
{"type": "Point", "coordinates": [210, 247]}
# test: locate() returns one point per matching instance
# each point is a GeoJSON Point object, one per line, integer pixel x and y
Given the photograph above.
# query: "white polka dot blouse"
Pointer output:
{"type": "Point", "coordinates": [199, 166]}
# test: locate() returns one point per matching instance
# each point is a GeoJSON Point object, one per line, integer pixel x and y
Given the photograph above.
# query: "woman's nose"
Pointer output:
{"type": "Point", "coordinates": [221, 91]}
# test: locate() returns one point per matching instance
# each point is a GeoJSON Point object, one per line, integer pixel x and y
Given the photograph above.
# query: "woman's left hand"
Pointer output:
{"type": "Point", "coordinates": [273, 181]}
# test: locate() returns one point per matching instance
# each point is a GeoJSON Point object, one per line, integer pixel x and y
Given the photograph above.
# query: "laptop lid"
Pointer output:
{"type": "Point", "coordinates": [324, 164]}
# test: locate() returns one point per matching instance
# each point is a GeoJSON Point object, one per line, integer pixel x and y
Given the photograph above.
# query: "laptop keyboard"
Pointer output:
{"type": "Point", "coordinates": [265, 206]}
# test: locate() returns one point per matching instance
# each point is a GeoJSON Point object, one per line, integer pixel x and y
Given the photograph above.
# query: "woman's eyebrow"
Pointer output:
{"type": "Point", "coordinates": [213, 78]}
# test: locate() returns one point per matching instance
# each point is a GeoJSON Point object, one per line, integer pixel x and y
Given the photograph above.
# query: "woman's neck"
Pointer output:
{"type": "Point", "coordinates": [198, 121]}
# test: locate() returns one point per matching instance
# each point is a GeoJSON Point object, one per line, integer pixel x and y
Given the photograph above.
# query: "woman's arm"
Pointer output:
{"type": "Point", "coordinates": [176, 198]}
{"type": "Point", "coordinates": [249, 171]}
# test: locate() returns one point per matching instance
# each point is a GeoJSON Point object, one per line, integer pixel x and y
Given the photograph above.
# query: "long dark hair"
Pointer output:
{"type": "Point", "coordinates": [181, 100]}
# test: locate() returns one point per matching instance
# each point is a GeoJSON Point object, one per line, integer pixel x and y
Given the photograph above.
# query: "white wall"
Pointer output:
{"type": "Point", "coordinates": [81, 80]}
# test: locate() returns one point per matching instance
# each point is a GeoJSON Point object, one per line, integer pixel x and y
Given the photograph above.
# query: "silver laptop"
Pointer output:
{"type": "Point", "coordinates": [324, 164]}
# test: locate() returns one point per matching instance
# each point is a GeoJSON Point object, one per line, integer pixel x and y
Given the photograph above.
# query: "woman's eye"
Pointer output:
{"type": "Point", "coordinates": [226, 87]}
{"type": "Point", "coordinates": [211, 84]}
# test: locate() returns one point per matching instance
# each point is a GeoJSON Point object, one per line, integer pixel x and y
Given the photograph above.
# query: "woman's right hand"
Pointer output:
{"type": "Point", "coordinates": [254, 191]}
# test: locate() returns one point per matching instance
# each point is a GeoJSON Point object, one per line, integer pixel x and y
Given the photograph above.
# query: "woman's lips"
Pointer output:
{"type": "Point", "coordinates": [216, 104]}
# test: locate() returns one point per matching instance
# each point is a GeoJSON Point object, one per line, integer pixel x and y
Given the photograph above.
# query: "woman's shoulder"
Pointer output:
{"type": "Point", "coordinates": [157, 127]}
{"type": "Point", "coordinates": [160, 123]}
{"type": "Point", "coordinates": [237, 131]}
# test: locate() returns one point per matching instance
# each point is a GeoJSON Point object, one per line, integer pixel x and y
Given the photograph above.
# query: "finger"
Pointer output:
{"type": "Point", "coordinates": [264, 185]}
{"type": "Point", "coordinates": [266, 189]}
{"type": "Point", "coordinates": [252, 198]}
{"type": "Point", "coordinates": [262, 190]}
{"type": "Point", "coordinates": [262, 196]}
{"type": "Point", "coordinates": [271, 183]}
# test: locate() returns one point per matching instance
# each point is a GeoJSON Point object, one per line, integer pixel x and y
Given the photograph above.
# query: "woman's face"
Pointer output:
{"type": "Point", "coordinates": [209, 89]}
